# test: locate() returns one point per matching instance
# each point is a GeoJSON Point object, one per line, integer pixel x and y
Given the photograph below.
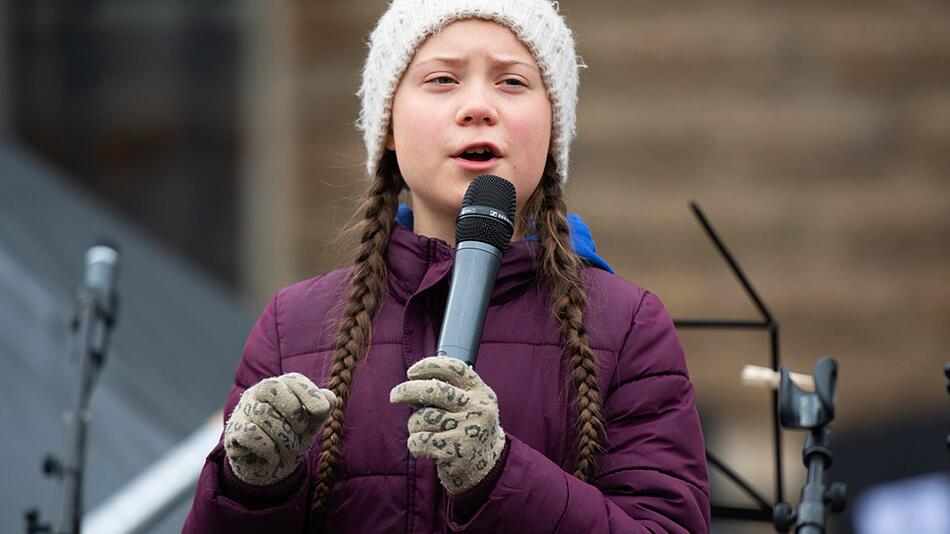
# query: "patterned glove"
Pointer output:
{"type": "Point", "coordinates": [273, 426]}
{"type": "Point", "coordinates": [459, 428]}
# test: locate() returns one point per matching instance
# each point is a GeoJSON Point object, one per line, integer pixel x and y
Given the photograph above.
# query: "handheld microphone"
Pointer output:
{"type": "Point", "coordinates": [483, 231]}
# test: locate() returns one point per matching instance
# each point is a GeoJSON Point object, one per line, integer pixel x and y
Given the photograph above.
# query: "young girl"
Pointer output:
{"type": "Point", "coordinates": [579, 415]}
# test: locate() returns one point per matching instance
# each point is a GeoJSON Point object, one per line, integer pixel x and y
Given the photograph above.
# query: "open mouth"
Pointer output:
{"type": "Point", "coordinates": [477, 154]}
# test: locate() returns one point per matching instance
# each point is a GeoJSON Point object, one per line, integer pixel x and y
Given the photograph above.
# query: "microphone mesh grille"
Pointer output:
{"type": "Point", "coordinates": [493, 192]}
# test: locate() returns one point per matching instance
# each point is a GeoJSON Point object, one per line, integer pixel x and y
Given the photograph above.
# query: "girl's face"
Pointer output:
{"type": "Point", "coordinates": [471, 84]}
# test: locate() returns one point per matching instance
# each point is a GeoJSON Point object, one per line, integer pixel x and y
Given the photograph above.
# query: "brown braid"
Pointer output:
{"type": "Point", "coordinates": [560, 269]}
{"type": "Point", "coordinates": [367, 288]}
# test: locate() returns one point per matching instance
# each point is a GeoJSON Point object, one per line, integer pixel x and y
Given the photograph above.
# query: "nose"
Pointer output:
{"type": "Point", "coordinates": [476, 108]}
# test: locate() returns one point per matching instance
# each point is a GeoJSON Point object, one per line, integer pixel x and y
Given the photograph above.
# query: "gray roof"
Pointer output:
{"type": "Point", "coordinates": [179, 337]}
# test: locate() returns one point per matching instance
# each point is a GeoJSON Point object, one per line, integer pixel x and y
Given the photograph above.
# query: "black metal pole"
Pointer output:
{"type": "Point", "coordinates": [764, 505]}
{"type": "Point", "coordinates": [776, 426]}
{"type": "Point", "coordinates": [811, 510]}
{"type": "Point", "coordinates": [89, 363]}
{"type": "Point", "coordinates": [737, 324]}
{"type": "Point", "coordinates": [733, 264]}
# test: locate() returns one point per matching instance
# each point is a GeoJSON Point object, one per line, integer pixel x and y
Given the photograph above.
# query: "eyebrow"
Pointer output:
{"type": "Point", "coordinates": [454, 61]}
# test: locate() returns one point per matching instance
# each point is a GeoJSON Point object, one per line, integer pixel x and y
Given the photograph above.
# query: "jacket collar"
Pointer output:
{"type": "Point", "coordinates": [418, 262]}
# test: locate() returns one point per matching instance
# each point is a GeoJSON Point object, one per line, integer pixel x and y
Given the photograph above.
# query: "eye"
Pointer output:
{"type": "Point", "coordinates": [516, 84]}
{"type": "Point", "coordinates": [442, 80]}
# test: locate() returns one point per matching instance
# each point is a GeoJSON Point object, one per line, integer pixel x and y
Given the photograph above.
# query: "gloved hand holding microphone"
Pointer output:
{"type": "Point", "coordinates": [458, 424]}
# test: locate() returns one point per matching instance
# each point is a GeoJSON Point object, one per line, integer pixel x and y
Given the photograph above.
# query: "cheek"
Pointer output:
{"type": "Point", "coordinates": [415, 134]}
{"type": "Point", "coordinates": [533, 133]}
{"type": "Point", "coordinates": [533, 139]}
{"type": "Point", "coordinates": [532, 130]}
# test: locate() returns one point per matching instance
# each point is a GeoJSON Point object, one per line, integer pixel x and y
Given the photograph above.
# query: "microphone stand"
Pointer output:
{"type": "Point", "coordinates": [813, 412]}
{"type": "Point", "coordinates": [93, 325]}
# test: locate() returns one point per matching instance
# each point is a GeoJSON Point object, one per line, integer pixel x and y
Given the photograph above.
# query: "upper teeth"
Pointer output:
{"type": "Point", "coordinates": [478, 150]}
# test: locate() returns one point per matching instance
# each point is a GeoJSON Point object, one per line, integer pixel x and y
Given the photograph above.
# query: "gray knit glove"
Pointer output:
{"type": "Point", "coordinates": [273, 427]}
{"type": "Point", "coordinates": [459, 429]}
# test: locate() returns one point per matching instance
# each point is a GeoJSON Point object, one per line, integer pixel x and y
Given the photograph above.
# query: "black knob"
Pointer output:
{"type": "Point", "coordinates": [783, 516]}
{"type": "Point", "coordinates": [33, 524]}
{"type": "Point", "coordinates": [837, 497]}
{"type": "Point", "coordinates": [52, 467]}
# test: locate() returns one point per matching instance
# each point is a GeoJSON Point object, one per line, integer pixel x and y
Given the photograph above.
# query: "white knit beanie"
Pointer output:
{"type": "Point", "coordinates": [407, 23]}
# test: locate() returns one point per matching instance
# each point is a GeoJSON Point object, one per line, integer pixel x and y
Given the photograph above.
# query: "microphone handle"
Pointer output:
{"type": "Point", "coordinates": [473, 277]}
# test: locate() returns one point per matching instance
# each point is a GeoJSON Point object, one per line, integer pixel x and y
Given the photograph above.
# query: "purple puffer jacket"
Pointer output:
{"type": "Point", "coordinates": [651, 477]}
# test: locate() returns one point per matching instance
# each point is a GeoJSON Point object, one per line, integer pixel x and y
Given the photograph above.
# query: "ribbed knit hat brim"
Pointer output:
{"type": "Point", "coordinates": [407, 23]}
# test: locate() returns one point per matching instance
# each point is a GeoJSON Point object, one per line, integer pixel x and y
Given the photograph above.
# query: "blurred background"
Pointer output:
{"type": "Point", "coordinates": [214, 142]}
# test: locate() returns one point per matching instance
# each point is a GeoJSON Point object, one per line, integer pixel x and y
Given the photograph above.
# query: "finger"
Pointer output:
{"type": "Point", "coordinates": [470, 434]}
{"type": "Point", "coordinates": [430, 392]}
{"type": "Point", "coordinates": [272, 423]}
{"type": "Point", "coordinates": [451, 370]}
{"type": "Point", "coordinates": [433, 420]}
{"type": "Point", "coordinates": [439, 445]}
{"type": "Point", "coordinates": [331, 398]}
{"type": "Point", "coordinates": [278, 394]}
{"type": "Point", "coordinates": [250, 455]}
{"type": "Point", "coordinates": [466, 442]}
{"type": "Point", "coordinates": [317, 402]}
{"type": "Point", "coordinates": [246, 441]}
